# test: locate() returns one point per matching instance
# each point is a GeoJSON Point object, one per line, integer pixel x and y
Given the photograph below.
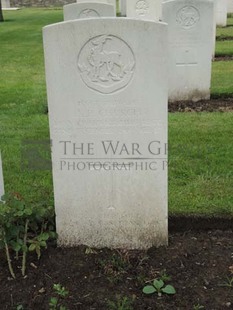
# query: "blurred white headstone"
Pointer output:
{"type": "Point", "coordinates": [221, 13]}
{"type": "Point", "coordinates": [144, 9]}
{"type": "Point", "coordinates": [1, 179]}
{"type": "Point", "coordinates": [88, 10]}
{"type": "Point", "coordinates": [113, 2]}
{"type": "Point", "coordinates": [6, 4]}
{"type": "Point", "coordinates": [190, 37]}
{"type": "Point", "coordinates": [229, 6]}
{"type": "Point", "coordinates": [122, 6]}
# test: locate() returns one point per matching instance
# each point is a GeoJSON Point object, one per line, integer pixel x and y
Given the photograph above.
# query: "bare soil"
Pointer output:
{"type": "Point", "coordinates": [198, 263]}
{"type": "Point", "coordinates": [213, 105]}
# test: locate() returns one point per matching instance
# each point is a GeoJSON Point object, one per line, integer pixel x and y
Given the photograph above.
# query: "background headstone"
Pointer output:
{"type": "Point", "coordinates": [106, 86]}
{"type": "Point", "coordinates": [221, 13]}
{"type": "Point", "coordinates": [214, 29]}
{"type": "Point", "coordinates": [190, 37]}
{"type": "Point", "coordinates": [88, 10]}
{"type": "Point", "coordinates": [1, 179]}
{"type": "Point", "coordinates": [6, 4]}
{"type": "Point", "coordinates": [144, 9]}
{"type": "Point", "coordinates": [113, 2]}
{"type": "Point", "coordinates": [122, 5]}
{"type": "Point", "coordinates": [229, 6]}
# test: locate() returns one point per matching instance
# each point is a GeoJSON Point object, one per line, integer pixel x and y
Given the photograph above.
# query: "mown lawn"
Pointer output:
{"type": "Point", "coordinates": [201, 149]}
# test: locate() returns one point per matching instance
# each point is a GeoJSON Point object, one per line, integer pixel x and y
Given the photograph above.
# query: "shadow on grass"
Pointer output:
{"type": "Point", "coordinates": [8, 20]}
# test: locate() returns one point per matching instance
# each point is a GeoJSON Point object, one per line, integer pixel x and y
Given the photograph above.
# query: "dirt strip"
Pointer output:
{"type": "Point", "coordinates": [213, 105]}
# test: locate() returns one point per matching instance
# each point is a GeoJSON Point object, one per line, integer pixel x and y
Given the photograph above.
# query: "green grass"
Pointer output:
{"type": "Point", "coordinates": [201, 164]}
{"type": "Point", "coordinates": [200, 174]}
{"type": "Point", "coordinates": [224, 32]}
{"type": "Point", "coordinates": [224, 48]}
{"type": "Point", "coordinates": [224, 36]}
{"type": "Point", "coordinates": [222, 79]}
{"type": "Point", "coordinates": [23, 98]}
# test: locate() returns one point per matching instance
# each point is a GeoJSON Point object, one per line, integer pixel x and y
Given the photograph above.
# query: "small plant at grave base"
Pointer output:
{"type": "Point", "coordinates": [164, 276]}
{"type": "Point", "coordinates": [198, 307]}
{"type": "Point", "coordinates": [56, 302]}
{"type": "Point", "coordinates": [228, 283]}
{"type": "Point", "coordinates": [23, 228]}
{"type": "Point", "coordinates": [158, 286]}
{"type": "Point", "coordinates": [116, 266]}
{"type": "Point", "coordinates": [121, 303]}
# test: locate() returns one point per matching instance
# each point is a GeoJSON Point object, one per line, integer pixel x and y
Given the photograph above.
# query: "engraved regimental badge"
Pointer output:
{"type": "Point", "coordinates": [88, 13]}
{"type": "Point", "coordinates": [142, 7]}
{"type": "Point", "coordinates": [187, 17]}
{"type": "Point", "coordinates": [106, 64]}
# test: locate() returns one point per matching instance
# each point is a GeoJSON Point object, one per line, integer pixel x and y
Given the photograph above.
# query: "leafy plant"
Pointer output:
{"type": "Point", "coordinates": [24, 227]}
{"type": "Point", "coordinates": [164, 276]}
{"type": "Point", "coordinates": [159, 286]}
{"type": "Point", "coordinates": [56, 302]}
{"type": "Point", "coordinates": [228, 283]}
{"type": "Point", "coordinates": [121, 303]}
{"type": "Point", "coordinates": [115, 266]}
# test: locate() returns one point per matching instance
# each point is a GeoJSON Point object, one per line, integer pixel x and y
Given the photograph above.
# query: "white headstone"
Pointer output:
{"type": "Point", "coordinates": [113, 2]}
{"type": "Point", "coordinates": [144, 9]}
{"type": "Point", "coordinates": [122, 5]}
{"type": "Point", "coordinates": [6, 4]}
{"type": "Point", "coordinates": [229, 6]}
{"type": "Point", "coordinates": [221, 13]}
{"type": "Point", "coordinates": [214, 29]}
{"type": "Point", "coordinates": [88, 10]}
{"type": "Point", "coordinates": [107, 97]}
{"type": "Point", "coordinates": [190, 37]}
{"type": "Point", "coordinates": [1, 179]}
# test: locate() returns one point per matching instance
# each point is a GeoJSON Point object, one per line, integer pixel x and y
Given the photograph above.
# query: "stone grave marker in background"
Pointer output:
{"type": "Point", "coordinates": [122, 6]}
{"type": "Point", "coordinates": [1, 179]}
{"type": "Point", "coordinates": [229, 6]}
{"type": "Point", "coordinates": [190, 37]}
{"type": "Point", "coordinates": [221, 13]}
{"type": "Point", "coordinates": [214, 29]}
{"type": "Point", "coordinates": [112, 2]}
{"type": "Point", "coordinates": [144, 9]}
{"type": "Point", "coordinates": [6, 4]}
{"type": "Point", "coordinates": [107, 97]}
{"type": "Point", "coordinates": [88, 10]}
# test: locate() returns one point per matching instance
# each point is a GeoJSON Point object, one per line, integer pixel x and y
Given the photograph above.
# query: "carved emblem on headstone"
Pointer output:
{"type": "Point", "coordinates": [106, 63]}
{"type": "Point", "coordinates": [88, 13]}
{"type": "Point", "coordinates": [187, 17]}
{"type": "Point", "coordinates": [142, 7]}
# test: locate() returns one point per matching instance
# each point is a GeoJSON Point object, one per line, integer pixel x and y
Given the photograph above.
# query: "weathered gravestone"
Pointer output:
{"type": "Point", "coordinates": [112, 2]}
{"type": "Point", "coordinates": [107, 97]}
{"type": "Point", "coordinates": [190, 37]}
{"type": "Point", "coordinates": [229, 6]}
{"type": "Point", "coordinates": [214, 29]}
{"type": "Point", "coordinates": [1, 179]}
{"type": "Point", "coordinates": [122, 6]}
{"type": "Point", "coordinates": [6, 4]}
{"type": "Point", "coordinates": [144, 9]}
{"type": "Point", "coordinates": [88, 10]}
{"type": "Point", "coordinates": [221, 13]}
